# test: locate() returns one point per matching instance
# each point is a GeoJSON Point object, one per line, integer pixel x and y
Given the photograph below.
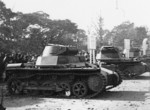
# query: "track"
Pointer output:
{"type": "Point", "coordinates": [19, 87]}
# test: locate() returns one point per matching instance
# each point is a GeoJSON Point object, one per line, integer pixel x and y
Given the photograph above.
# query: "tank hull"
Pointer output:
{"type": "Point", "coordinates": [60, 82]}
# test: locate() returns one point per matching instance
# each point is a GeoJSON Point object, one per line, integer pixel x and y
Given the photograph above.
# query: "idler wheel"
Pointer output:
{"type": "Point", "coordinates": [47, 92]}
{"type": "Point", "coordinates": [14, 86]}
{"type": "Point", "coordinates": [79, 89]}
{"type": "Point", "coordinates": [96, 83]}
{"type": "Point", "coordinates": [66, 89]}
{"type": "Point", "coordinates": [32, 91]}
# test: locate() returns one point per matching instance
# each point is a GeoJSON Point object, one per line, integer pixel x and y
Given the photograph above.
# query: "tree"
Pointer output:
{"type": "Point", "coordinates": [123, 31]}
{"type": "Point", "coordinates": [6, 16]}
{"type": "Point", "coordinates": [126, 30]}
{"type": "Point", "coordinates": [22, 29]}
{"type": "Point", "coordinates": [81, 39]}
{"type": "Point", "coordinates": [141, 33]}
{"type": "Point", "coordinates": [32, 31]}
{"type": "Point", "coordinates": [36, 28]}
{"type": "Point", "coordinates": [5, 13]}
{"type": "Point", "coordinates": [100, 32]}
{"type": "Point", "coordinates": [58, 29]}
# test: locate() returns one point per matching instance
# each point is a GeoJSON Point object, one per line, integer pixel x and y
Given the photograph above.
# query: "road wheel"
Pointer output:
{"type": "Point", "coordinates": [47, 92]}
{"type": "Point", "coordinates": [32, 91]}
{"type": "Point", "coordinates": [79, 89]}
{"type": "Point", "coordinates": [66, 89]}
{"type": "Point", "coordinates": [14, 86]}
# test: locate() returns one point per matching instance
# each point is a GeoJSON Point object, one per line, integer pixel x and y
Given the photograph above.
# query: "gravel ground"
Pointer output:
{"type": "Point", "coordinates": [133, 94]}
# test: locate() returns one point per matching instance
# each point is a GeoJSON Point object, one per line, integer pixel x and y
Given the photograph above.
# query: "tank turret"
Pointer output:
{"type": "Point", "coordinates": [57, 55]}
{"type": "Point", "coordinates": [54, 49]}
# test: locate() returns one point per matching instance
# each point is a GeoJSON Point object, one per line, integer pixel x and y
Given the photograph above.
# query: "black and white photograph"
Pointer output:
{"type": "Point", "coordinates": [74, 55]}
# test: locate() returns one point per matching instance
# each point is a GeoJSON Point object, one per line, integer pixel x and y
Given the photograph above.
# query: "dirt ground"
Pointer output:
{"type": "Point", "coordinates": [133, 94]}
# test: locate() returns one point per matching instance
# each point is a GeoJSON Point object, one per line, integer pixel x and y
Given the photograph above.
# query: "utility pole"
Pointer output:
{"type": "Point", "coordinates": [92, 48]}
{"type": "Point", "coordinates": [116, 4]}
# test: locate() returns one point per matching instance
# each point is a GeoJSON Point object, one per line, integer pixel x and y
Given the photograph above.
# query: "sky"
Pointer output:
{"type": "Point", "coordinates": [85, 13]}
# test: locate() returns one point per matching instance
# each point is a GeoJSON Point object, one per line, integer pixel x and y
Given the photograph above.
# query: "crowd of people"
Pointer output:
{"type": "Point", "coordinates": [16, 57]}
{"type": "Point", "coordinates": [85, 54]}
{"type": "Point", "coordinates": [6, 58]}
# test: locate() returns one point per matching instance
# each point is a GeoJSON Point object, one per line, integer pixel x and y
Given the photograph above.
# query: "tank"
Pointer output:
{"type": "Point", "coordinates": [60, 72]}
{"type": "Point", "coordinates": [111, 58]}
